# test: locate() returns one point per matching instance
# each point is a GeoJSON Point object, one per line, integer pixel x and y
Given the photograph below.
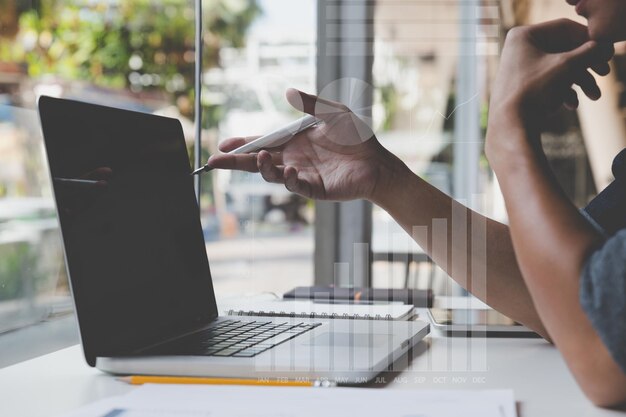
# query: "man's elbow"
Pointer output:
{"type": "Point", "coordinates": [607, 399]}
{"type": "Point", "coordinates": [606, 392]}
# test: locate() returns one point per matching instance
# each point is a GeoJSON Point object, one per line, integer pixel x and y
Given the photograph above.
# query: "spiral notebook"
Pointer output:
{"type": "Point", "coordinates": [311, 309]}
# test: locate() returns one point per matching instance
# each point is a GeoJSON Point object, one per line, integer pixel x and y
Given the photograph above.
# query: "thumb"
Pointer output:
{"type": "Point", "coordinates": [316, 106]}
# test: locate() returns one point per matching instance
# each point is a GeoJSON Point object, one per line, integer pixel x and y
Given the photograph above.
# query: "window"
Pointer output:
{"type": "Point", "coordinates": [259, 236]}
{"type": "Point", "coordinates": [434, 66]}
{"type": "Point", "coordinates": [139, 55]}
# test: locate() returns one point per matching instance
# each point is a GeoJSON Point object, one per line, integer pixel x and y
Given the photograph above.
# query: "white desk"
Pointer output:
{"type": "Point", "coordinates": [61, 381]}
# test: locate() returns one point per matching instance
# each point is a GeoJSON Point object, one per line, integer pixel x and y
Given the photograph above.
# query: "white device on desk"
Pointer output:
{"type": "Point", "coordinates": [139, 273]}
{"type": "Point", "coordinates": [476, 322]}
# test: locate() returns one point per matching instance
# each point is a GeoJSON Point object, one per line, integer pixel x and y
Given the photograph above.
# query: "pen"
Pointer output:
{"type": "Point", "coordinates": [146, 379]}
{"type": "Point", "coordinates": [271, 140]}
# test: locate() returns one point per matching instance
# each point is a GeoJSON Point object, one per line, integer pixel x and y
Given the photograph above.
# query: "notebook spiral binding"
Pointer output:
{"type": "Point", "coordinates": [272, 313]}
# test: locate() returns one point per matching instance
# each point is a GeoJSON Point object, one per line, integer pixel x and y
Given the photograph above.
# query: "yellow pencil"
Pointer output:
{"type": "Point", "coordinates": [147, 379]}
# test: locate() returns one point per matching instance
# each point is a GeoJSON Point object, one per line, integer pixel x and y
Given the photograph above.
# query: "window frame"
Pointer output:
{"type": "Point", "coordinates": [343, 231]}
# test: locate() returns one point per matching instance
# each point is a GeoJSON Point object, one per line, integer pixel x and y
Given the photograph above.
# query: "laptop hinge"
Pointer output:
{"type": "Point", "coordinates": [184, 333]}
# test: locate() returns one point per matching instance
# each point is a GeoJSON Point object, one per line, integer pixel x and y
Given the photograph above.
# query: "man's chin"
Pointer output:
{"type": "Point", "coordinates": [600, 34]}
{"type": "Point", "coordinates": [605, 33]}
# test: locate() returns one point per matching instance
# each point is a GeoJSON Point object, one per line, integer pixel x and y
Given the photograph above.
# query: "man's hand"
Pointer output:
{"type": "Point", "coordinates": [339, 159]}
{"type": "Point", "coordinates": [539, 65]}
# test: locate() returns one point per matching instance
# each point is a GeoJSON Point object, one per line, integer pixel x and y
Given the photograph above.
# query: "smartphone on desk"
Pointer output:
{"type": "Point", "coordinates": [476, 323]}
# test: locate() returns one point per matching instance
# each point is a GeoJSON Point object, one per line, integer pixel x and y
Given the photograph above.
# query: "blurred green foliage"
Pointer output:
{"type": "Point", "coordinates": [136, 44]}
{"type": "Point", "coordinates": [390, 99]}
{"type": "Point", "coordinates": [140, 45]}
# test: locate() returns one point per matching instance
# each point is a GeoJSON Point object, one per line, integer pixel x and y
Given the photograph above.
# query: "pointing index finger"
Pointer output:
{"type": "Point", "coordinates": [244, 162]}
{"type": "Point", "coordinates": [233, 143]}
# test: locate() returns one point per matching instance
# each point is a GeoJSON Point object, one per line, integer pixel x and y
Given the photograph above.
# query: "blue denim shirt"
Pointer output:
{"type": "Point", "coordinates": [603, 279]}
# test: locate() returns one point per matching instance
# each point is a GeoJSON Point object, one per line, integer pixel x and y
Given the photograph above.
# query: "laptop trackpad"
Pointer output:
{"type": "Point", "coordinates": [350, 339]}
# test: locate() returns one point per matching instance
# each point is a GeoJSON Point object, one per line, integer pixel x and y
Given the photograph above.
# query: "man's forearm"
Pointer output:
{"type": "Point", "coordinates": [475, 251]}
{"type": "Point", "coordinates": [552, 241]}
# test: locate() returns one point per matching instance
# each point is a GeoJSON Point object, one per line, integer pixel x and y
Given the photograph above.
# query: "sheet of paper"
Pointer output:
{"type": "Point", "coordinates": [238, 401]}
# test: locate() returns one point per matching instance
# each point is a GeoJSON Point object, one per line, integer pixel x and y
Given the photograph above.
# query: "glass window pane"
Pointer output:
{"type": "Point", "coordinates": [434, 67]}
{"type": "Point", "coordinates": [139, 55]}
{"type": "Point", "coordinates": [418, 49]}
{"type": "Point", "coordinates": [259, 236]}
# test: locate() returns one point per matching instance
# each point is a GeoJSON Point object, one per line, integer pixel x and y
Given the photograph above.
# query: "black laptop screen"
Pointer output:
{"type": "Point", "coordinates": [132, 235]}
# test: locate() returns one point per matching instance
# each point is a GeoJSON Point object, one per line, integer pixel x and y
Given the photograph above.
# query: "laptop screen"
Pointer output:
{"type": "Point", "coordinates": [132, 235]}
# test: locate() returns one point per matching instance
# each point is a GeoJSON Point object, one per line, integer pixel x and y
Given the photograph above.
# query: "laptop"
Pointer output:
{"type": "Point", "coordinates": [138, 268]}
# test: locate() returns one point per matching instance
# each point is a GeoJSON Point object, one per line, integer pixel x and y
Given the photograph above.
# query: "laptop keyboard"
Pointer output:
{"type": "Point", "coordinates": [243, 339]}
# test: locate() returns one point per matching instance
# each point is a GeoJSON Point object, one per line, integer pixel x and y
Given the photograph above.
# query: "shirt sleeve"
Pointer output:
{"type": "Point", "coordinates": [594, 223]}
{"type": "Point", "coordinates": [603, 294]}
{"type": "Point", "coordinates": [607, 211]}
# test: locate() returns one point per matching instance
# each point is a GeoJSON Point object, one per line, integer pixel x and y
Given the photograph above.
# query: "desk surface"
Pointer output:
{"type": "Point", "coordinates": [61, 381]}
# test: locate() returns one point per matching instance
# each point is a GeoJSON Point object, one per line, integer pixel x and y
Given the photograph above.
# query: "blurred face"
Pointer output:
{"type": "Point", "coordinates": [606, 18]}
